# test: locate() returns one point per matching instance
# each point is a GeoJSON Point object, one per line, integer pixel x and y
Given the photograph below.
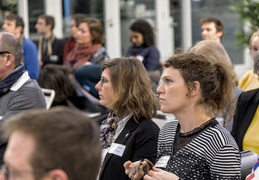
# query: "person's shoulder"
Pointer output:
{"type": "Point", "coordinates": [220, 134]}
{"type": "Point", "coordinates": [170, 124]}
{"type": "Point", "coordinates": [248, 95]}
{"type": "Point", "coordinates": [247, 75]}
{"type": "Point", "coordinates": [32, 85]}
{"type": "Point", "coordinates": [101, 50]}
{"type": "Point", "coordinates": [101, 53]}
{"type": "Point", "coordinates": [28, 43]}
{"type": "Point", "coordinates": [238, 91]}
{"type": "Point", "coordinates": [154, 47]}
{"type": "Point", "coordinates": [148, 123]}
{"type": "Point", "coordinates": [60, 40]}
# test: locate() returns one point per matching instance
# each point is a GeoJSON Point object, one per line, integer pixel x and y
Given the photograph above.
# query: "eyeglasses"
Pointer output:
{"type": "Point", "coordinates": [103, 80]}
{"type": "Point", "coordinates": [14, 174]}
{"type": "Point", "coordinates": [4, 52]}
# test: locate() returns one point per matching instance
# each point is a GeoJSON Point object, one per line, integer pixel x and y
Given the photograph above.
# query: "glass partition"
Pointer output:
{"type": "Point", "coordinates": [92, 8]}
{"type": "Point", "coordinates": [231, 21]}
{"type": "Point", "coordinates": [36, 8]}
{"type": "Point", "coordinates": [7, 7]}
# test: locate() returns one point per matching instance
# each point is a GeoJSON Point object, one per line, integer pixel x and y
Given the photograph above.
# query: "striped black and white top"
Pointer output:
{"type": "Point", "coordinates": [213, 154]}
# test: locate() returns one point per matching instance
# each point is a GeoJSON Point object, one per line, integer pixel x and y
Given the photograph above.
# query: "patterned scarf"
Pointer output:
{"type": "Point", "coordinates": [9, 80]}
{"type": "Point", "coordinates": [81, 54]}
{"type": "Point", "coordinates": [108, 129]}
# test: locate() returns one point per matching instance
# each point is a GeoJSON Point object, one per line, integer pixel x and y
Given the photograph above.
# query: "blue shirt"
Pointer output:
{"type": "Point", "coordinates": [30, 54]}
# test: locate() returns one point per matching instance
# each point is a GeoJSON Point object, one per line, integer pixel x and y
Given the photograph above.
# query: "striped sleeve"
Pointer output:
{"type": "Point", "coordinates": [226, 164]}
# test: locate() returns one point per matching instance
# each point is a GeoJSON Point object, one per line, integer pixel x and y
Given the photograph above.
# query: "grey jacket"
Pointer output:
{"type": "Point", "coordinates": [24, 94]}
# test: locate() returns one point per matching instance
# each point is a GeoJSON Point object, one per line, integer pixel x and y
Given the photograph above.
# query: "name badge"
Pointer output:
{"type": "Point", "coordinates": [117, 149]}
{"type": "Point", "coordinates": [53, 58]}
{"type": "Point", "coordinates": [140, 57]}
{"type": "Point", "coordinates": [162, 162]}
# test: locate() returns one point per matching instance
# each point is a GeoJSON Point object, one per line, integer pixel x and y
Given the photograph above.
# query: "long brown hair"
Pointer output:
{"type": "Point", "coordinates": [132, 87]}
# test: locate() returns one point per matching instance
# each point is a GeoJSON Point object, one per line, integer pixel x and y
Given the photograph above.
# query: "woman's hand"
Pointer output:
{"type": "Point", "coordinates": [159, 174]}
{"type": "Point", "coordinates": [130, 170]}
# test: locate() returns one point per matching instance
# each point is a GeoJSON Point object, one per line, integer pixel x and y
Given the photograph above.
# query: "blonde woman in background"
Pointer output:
{"type": "Point", "coordinates": [249, 80]}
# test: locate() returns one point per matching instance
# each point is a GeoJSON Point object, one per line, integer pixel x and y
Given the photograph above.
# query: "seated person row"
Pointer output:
{"type": "Point", "coordinates": [196, 146]}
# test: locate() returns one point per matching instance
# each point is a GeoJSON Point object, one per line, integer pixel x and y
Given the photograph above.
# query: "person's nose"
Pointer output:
{"type": "Point", "coordinates": [3, 26]}
{"type": "Point", "coordinates": [133, 40]}
{"type": "Point", "coordinates": [159, 88]}
{"type": "Point", "coordinates": [79, 33]}
{"type": "Point", "coordinates": [203, 32]}
{"type": "Point", "coordinates": [98, 86]}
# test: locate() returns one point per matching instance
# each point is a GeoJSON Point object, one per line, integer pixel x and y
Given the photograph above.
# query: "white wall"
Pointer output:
{"type": "Point", "coordinates": [112, 28]}
{"type": "Point", "coordinates": [54, 8]}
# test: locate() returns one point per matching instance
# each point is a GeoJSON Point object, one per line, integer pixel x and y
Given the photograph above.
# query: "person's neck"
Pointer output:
{"type": "Point", "coordinates": [7, 72]}
{"type": "Point", "coordinates": [18, 35]}
{"type": "Point", "coordinates": [83, 45]}
{"type": "Point", "coordinates": [218, 40]}
{"type": "Point", "coordinates": [190, 120]}
{"type": "Point", "coordinates": [47, 35]}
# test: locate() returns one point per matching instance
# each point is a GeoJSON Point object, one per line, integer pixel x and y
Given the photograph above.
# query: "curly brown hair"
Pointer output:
{"type": "Point", "coordinates": [217, 93]}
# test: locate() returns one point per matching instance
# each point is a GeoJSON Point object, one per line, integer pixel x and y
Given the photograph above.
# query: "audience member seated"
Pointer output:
{"type": "Point", "coordinates": [128, 133]}
{"type": "Point", "coordinates": [59, 78]}
{"type": "Point", "coordinates": [216, 54]}
{"type": "Point", "coordinates": [196, 146]}
{"type": "Point", "coordinates": [59, 143]}
{"type": "Point", "coordinates": [88, 55]}
{"type": "Point", "coordinates": [14, 24]}
{"type": "Point", "coordinates": [71, 41]}
{"type": "Point", "coordinates": [212, 28]}
{"type": "Point", "coordinates": [246, 118]}
{"type": "Point", "coordinates": [50, 48]}
{"type": "Point", "coordinates": [143, 47]}
{"type": "Point", "coordinates": [17, 91]}
{"type": "Point", "coordinates": [249, 80]}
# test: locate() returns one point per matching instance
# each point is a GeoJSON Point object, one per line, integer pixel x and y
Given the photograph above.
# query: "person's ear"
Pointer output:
{"type": "Point", "coordinates": [195, 89]}
{"type": "Point", "coordinates": [58, 174]}
{"type": "Point", "coordinates": [220, 34]}
{"type": "Point", "coordinates": [19, 29]}
{"type": "Point", "coordinates": [49, 27]}
{"type": "Point", "coordinates": [9, 60]}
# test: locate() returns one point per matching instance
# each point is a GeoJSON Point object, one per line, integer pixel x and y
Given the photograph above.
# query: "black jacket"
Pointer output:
{"type": "Point", "coordinates": [140, 140]}
{"type": "Point", "coordinates": [246, 107]}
